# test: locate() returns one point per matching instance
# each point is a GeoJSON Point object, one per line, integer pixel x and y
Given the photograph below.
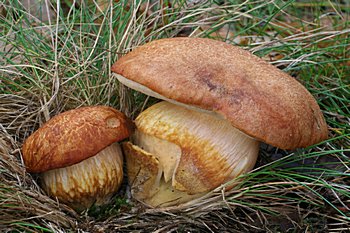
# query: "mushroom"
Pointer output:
{"type": "Point", "coordinates": [78, 156]}
{"type": "Point", "coordinates": [220, 102]}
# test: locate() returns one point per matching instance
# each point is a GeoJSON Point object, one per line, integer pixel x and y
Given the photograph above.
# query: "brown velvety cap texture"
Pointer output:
{"type": "Point", "coordinates": [74, 136]}
{"type": "Point", "coordinates": [256, 97]}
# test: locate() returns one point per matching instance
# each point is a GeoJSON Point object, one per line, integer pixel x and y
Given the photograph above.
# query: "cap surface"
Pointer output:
{"type": "Point", "coordinates": [256, 97]}
{"type": "Point", "coordinates": [74, 136]}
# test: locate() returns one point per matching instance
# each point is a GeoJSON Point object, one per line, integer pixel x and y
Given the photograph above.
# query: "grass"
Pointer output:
{"type": "Point", "coordinates": [52, 64]}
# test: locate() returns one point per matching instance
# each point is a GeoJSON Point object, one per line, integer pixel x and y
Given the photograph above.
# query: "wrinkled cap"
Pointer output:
{"type": "Point", "coordinates": [74, 136]}
{"type": "Point", "coordinates": [256, 97]}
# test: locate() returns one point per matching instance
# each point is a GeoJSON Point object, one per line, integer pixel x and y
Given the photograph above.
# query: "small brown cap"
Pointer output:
{"type": "Point", "coordinates": [74, 136]}
{"type": "Point", "coordinates": [256, 97]}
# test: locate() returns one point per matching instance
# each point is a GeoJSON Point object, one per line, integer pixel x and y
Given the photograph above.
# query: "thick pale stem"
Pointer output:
{"type": "Point", "coordinates": [92, 181]}
{"type": "Point", "coordinates": [196, 151]}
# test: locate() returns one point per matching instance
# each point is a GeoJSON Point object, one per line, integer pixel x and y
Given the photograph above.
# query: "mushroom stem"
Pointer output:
{"type": "Point", "coordinates": [194, 151]}
{"type": "Point", "coordinates": [92, 181]}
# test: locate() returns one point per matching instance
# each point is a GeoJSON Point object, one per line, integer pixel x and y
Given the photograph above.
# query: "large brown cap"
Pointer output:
{"type": "Point", "coordinates": [74, 136]}
{"type": "Point", "coordinates": [256, 97]}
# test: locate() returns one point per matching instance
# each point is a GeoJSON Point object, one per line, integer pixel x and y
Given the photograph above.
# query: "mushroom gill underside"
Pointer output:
{"type": "Point", "coordinates": [178, 154]}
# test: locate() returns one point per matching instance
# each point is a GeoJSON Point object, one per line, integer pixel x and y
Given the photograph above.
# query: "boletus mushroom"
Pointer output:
{"type": "Point", "coordinates": [78, 156]}
{"type": "Point", "coordinates": [220, 102]}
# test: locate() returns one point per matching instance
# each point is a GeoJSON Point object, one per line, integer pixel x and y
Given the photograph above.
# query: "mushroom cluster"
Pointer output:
{"type": "Point", "coordinates": [220, 102]}
{"type": "Point", "coordinates": [78, 156]}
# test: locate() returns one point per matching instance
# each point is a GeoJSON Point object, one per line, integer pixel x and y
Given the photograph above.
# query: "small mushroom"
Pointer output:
{"type": "Point", "coordinates": [78, 156]}
{"type": "Point", "coordinates": [221, 101]}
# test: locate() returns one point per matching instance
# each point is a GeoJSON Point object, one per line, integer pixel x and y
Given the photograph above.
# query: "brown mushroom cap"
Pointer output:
{"type": "Point", "coordinates": [74, 136]}
{"type": "Point", "coordinates": [256, 97]}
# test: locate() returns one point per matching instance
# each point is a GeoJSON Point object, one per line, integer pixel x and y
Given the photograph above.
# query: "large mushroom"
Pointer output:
{"type": "Point", "coordinates": [220, 102]}
{"type": "Point", "coordinates": [78, 156]}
